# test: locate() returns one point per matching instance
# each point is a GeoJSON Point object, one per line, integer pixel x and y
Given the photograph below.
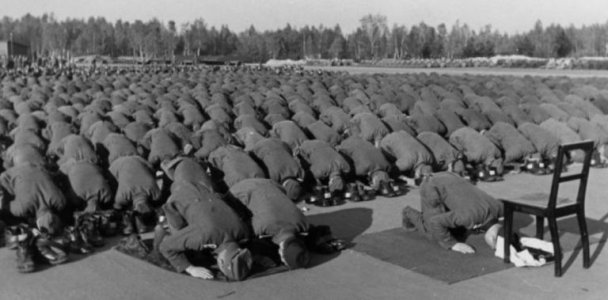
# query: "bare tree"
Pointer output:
{"type": "Point", "coordinates": [375, 28]}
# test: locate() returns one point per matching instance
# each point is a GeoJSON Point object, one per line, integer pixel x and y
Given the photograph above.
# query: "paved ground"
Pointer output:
{"type": "Point", "coordinates": [350, 275]}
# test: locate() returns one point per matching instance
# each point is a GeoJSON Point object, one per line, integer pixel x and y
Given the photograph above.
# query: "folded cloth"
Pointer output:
{"type": "Point", "coordinates": [519, 259]}
{"type": "Point", "coordinates": [529, 242]}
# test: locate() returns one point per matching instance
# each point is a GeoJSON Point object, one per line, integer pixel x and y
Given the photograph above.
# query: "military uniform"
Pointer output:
{"type": "Point", "coordinates": [137, 187]}
{"type": "Point", "coordinates": [235, 163]}
{"type": "Point", "coordinates": [199, 220]}
{"type": "Point", "coordinates": [273, 213]}
{"type": "Point", "coordinates": [477, 148]}
{"type": "Point", "coordinates": [448, 202]}
{"type": "Point", "coordinates": [277, 158]}
{"type": "Point", "coordinates": [34, 191]}
{"type": "Point", "coordinates": [366, 158]}
{"type": "Point", "coordinates": [369, 127]}
{"type": "Point", "coordinates": [288, 132]}
{"type": "Point", "coordinates": [407, 150]}
{"type": "Point", "coordinates": [516, 146]}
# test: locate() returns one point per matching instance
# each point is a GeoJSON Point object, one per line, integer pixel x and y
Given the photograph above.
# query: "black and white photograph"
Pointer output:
{"type": "Point", "coordinates": [303, 149]}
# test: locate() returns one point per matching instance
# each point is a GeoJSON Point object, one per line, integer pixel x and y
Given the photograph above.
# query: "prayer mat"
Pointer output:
{"type": "Point", "coordinates": [413, 251]}
{"type": "Point", "coordinates": [143, 250]}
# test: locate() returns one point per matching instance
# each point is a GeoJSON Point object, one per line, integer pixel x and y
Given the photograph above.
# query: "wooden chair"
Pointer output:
{"type": "Point", "coordinates": [549, 207]}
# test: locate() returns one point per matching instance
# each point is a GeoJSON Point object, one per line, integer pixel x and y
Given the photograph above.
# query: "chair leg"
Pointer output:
{"type": "Point", "coordinates": [582, 225]}
{"type": "Point", "coordinates": [508, 211]}
{"type": "Point", "coordinates": [540, 227]}
{"type": "Point", "coordinates": [557, 249]}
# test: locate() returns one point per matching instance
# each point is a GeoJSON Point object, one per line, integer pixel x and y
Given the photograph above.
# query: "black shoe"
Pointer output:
{"type": "Point", "coordinates": [325, 198]}
{"type": "Point", "coordinates": [11, 235]}
{"type": "Point", "coordinates": [50, 251]}
{"type": "Point", "coordinates": [128, 227]}
{"type": "Point", "coordinates": [109, 223]}
{"type": "Point", "coordinates": [352, 193]}
{"type": "Point", "coordinates": [316, 196]}
{"type": "Point", "coordinates": [140, 223]}
{"type": "Point", "coordinates": [385, 190]}
{"type": "Point", "coordinates": [337, 199]}
{"type": "Point", "coordinates": [397, 188]}
{"type": "Point", "coordinates": [77, 244]}
{"type": "Point", "coordinates": [88, 226]}
{"type": "Point", "coordinates": [24, 244]}
{"type": "Point", "coordinates": [367, 194]}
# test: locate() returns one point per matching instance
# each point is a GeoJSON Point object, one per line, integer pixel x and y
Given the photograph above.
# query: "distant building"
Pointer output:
{"type": "Point", "coordinates": [8, 48]}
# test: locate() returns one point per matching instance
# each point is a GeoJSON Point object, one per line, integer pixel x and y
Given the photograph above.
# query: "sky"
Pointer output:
{"type": "Point", "coordinates": [510, 16]}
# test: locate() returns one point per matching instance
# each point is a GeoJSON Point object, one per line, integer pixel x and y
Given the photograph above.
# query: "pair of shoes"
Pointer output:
{"type": "Point", "coordinates": [89, 227]}
{"type": "Point", "coordinates": [128, 223]}
{"type": "Point", "coordinates": [109, 222]}
{"type": "Point", "coordinates": [337, 198]}
{"type": "Point", "coordinates": [50, 250]}
{"type": "Point", "coordinates": [386, 190]}
{"type": "Point", "coordinates": [78, 244]}
{"type": "Point", "coordinates": [11, 235]}
{"type": "Point", "coordinates": [407, 224]}
{"type": "Point", "coordinates": [352, 192]}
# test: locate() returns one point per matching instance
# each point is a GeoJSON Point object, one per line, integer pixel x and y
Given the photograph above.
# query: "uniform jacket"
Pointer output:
{"type": "Point", "coordinates": [365, 157]}
{"type": "Point", "coordinates": [278, 160]}
{"type": "Point", "coordinates": [273, 213]}
{"type": "Point", "coordinates": [323, 159]}
{"type": "Point", "coordinates": [450, 201]}
{"type": "Point", "coordinates": [236, 164]}
{"type": "Point", "coordinates": [33, 189]}
{"type": "Point", "coordinates": [407, 150]}
{"type": "Point", "coordinates": [200, 219]}
{"type": "Point", "coordinates": [477, 148]}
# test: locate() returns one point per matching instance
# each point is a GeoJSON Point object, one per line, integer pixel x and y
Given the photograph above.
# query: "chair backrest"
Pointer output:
{"type": "Point", "coordinates": [587, 148]}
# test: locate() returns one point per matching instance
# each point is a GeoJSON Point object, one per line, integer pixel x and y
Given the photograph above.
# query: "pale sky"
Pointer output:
{"type": "Point", "coordinates": [510, 16]}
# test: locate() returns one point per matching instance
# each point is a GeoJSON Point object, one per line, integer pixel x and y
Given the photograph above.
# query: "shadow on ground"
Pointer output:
{"type": "Point", "coordinates": [594, 227]}
{"type": "Point", "coordinates": [569, 235]}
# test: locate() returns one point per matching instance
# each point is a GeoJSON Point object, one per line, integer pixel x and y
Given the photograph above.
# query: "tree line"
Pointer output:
{"type": "Point", "coordinates": [373, 39]}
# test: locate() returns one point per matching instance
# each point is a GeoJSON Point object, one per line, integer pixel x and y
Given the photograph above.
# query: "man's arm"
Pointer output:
{"type": "Point", "coordinates": [174, 247]}
{"type": "Point", "coordinates": [439, 226]}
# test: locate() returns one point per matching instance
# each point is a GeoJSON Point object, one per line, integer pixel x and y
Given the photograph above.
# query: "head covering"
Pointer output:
{"type": "Point", "coordinates": [335, 183]}
{"type": "Point", "coordinates": [235, 263]}
{"type": "Point", "coordinates": [292, 188]}
{"type": "Point", "coordinates": [48, 222]}
{"type": "Point", "coordinates": [293, 253]}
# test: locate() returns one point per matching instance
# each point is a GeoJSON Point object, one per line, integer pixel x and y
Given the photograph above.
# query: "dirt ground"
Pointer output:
{"type": "Point", "coordinates": [472, 71]}
{"type": "Point", "coordinates": [109, 274]}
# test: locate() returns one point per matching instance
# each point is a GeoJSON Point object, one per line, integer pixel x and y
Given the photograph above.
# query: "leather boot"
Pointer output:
{"type": "Point", "coordinates": [24, 244]}
{"type": "Point", "coordinates": [385, 190]}
{"type": "Point", "coordinates": [352, 193]}
{"type": "Point", "coordinates": [128, 227]}
{"type": "Point", "coordinates": [50, 251]}
{"type": "Point", "coordinates": [89, 228]}
{"type": "Point", "coordinates": [77, 243]}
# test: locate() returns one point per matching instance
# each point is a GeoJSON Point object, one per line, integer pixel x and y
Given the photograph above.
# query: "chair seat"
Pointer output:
{"type": "Point", "coordinates": [540, 200]}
